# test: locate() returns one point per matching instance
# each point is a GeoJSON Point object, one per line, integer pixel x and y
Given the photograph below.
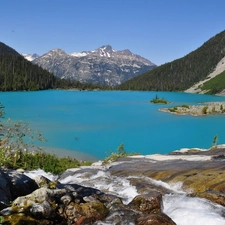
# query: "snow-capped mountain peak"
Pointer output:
{"type": "Point", "coordinates": [79, 54]}
{"type": "Point", "coordinates": [30, 57]}
{"type": "Point", "coordinates": [103, 66]}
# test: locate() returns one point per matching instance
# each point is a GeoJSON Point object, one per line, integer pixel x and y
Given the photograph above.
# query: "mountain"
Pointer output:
{"type": "Point", "coordinates": [103, 66]}
{"type": "Point", "coordinates": [30, 57]}
{"type": "Point", "coordinates": [183, 73]}
{"type": "Point", "coordinates": [17, 73]}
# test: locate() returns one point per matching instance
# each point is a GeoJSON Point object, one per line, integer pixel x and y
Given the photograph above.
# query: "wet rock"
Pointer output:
{"type": "Point", "coordinates": [79, 190]}
{"type": "Point", "coordinates": [144, 186]}
{"type": "Point", "coordinates": [148, 203]}
{"type": "Point", "coordinates": [213, 196]}
{"type": "Point", "coordinates": [85, 213]}
{"type": "Point", "coordinates": [121, 216]}
{"type": "Point", "coordinates": [155, 219]}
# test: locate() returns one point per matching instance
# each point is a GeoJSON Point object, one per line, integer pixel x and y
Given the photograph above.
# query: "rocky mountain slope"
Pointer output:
{"type": "Point", "coordinates": [104, 66]}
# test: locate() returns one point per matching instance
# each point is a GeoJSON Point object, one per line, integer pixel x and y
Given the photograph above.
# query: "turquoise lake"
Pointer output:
{"type": "Point", "coordinates": [88, 124]}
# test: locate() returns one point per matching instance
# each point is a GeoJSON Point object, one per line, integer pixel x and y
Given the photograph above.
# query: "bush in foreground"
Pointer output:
{"type": "Point", "coordinates": [38, 159]}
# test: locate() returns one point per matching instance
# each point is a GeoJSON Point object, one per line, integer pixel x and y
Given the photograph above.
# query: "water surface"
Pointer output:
{"type": "Point", "coordinates": [96, 122]}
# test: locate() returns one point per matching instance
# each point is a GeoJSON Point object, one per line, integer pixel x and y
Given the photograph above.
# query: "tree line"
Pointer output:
{"type": "Point", "coordinates": [182, 73]}
{"type": "Point", "coordinates": [17, 74]}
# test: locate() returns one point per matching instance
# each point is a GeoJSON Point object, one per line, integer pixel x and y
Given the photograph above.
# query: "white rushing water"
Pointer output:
{"type": "Point", "coordinates": [193, 211]}
{"type": "Point", "coordinates": [182, 209]}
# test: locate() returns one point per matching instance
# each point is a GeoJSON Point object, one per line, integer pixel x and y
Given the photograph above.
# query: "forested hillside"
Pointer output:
{"type": "Point", "coordinates": [17, 73]}
{"type": "Point", "coordinates": [182, 73]}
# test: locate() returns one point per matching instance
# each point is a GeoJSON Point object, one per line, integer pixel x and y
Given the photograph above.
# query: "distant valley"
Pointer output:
{"type": "Point", "coordinates": [103, 66]}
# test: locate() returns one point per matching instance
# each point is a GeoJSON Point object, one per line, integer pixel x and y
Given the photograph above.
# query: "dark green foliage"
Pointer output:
{"type": "Point", "coordinates": [215, 140]}
{"type": "Point", "coordinates": [181, 73]}
{"type": "Point", "coordinates": [1, 116]}
{"type": "Point", "coordinates": [174, 109]}
{"type": "Point", "coordinates": [204, 110]}
{"type": "Point", "coordinates": [185, 106]}
{"type": "Point", "coordinates": [158, 100]}
{"type": "Point", "coordinates": [17, 74]}
{"type": "Point", "coordinates": [120, 152]}
{"type": "Point", "coordinates": [35, 160]}
{"type": "Point", "coordinates": [215, 85]}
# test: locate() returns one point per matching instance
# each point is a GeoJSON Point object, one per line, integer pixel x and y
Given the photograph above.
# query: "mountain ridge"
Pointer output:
{"type": "Point", "coordinates": [102, 66]}
{"type": "Point", "coordinates": [183, 73]}
{"type": "Point", "coordinates": [19, 74]}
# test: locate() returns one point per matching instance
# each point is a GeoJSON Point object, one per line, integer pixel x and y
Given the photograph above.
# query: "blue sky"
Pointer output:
{"type": "Point", "coordinates": [159, 30]}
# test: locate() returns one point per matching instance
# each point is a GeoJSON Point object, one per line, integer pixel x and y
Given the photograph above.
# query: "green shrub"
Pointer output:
{"type": "Point", "coordinates": [120, 152]}
{"type": "Point", "coordinates": [157, 100]}
{"type": "Point", "coordinates": [186, 106]}
{"type": "Point", "coordinates": [204, 110]}
{"type": "Point", "coordinates": [215, 85]}
{"type": "Point", "coordinates": [37, 159]}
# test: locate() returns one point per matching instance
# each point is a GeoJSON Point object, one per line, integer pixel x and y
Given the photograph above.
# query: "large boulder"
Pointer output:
{"type": "Point", "coordinates": [148, 203]}
{"type": "Point", "coordinates": [14, 184]}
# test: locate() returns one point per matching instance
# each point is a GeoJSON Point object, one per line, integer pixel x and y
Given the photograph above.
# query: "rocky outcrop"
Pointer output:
{"type": "Point", "coordinates": [76, 204]}
{"type": "Point", "coordinates": [203, 109]}
{"type": "Point", "coordinates": [57, 203]}
{"type": "Point", "coordinates": [202, 178]}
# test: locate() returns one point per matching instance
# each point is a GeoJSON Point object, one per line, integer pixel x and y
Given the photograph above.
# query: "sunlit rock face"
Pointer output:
{"type": "Point", "coordinates": [103, 66]}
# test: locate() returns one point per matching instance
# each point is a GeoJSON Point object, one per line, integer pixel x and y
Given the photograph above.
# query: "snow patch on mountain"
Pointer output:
{"type": "Point", "coordinates": [103, 66]}
{"type": "Point", "coordinates": [30, 57]}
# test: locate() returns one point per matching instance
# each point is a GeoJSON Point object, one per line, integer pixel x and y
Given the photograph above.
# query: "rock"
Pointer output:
{"type": "Point", "coordinates": [197, 110]}
{"type": "Point", "coordinates": [85, 213]}
{"type": "Point", "coordinates": [42, 210]}
{"type": "Point", "coordinates": [14, 184]}
{"type": "Point", "coordinates": [70, 203]}
{"type": "Point", "coordinates": [45, 182]}
{"type": "Point", "coordinates": [155, 219]}
{"type": "Point", "coordinates": [213, 196]}
{"type": "Point", "coordinates": [148, 203]}
{"type": "Point", "coordinates": [121, 216]}
{"type": "Point", "coordinates": [78, 190]}
{"type": "Point", "coordinates": [20, 184]}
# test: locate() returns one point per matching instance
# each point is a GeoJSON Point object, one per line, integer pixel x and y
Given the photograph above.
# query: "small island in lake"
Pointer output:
{"type": "Point", "coordinates": [197, 110]}
{"type": "Point", "coordinates": [158, 100]}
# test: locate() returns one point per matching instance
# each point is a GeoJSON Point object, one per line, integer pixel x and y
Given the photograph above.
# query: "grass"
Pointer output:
{"type": "Point", "coordinates": [38, 159]}
{"type": "Point", "coordinates": [215, 85]}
